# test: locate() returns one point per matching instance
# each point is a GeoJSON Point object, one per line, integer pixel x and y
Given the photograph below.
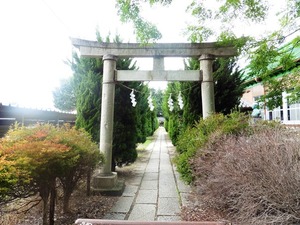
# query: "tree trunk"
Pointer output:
{"type": "Point", "coordinates": [52, 204]}
{"type": "Point", "coordinates": [66, 200]}
{"type": "Point", "coordinates": [45, 207]}
{"type": "Point", "coordinates": [88, 182]}
{"type": "Point", "coordinates": [44, 194]}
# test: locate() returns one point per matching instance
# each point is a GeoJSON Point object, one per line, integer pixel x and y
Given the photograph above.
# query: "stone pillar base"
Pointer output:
{"type": "Point", "coordinates": [107, 184]}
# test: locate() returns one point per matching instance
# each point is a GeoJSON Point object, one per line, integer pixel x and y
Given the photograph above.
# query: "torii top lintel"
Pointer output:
{"type": "Point", "coordinates": [95, 49]}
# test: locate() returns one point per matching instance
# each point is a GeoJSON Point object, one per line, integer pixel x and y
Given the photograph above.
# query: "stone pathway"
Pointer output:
{"type": "Point", "coordinates": [154, 191]}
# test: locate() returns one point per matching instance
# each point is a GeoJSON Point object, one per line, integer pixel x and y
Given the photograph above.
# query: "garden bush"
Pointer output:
{"type": "Point", "coordinates": [254, 178]}
{"type": "Point", "coordinates": [34, 158]}
{"type": "Point", "coordinates": [194, 138]}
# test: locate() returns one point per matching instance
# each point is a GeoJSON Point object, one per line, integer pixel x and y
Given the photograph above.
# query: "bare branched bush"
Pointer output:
{"type": "Point", "coordinates": [254, 178]}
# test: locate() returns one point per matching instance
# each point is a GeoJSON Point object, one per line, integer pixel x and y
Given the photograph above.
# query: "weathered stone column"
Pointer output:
{"type": "Point", "coordinates": [105, 181]}
{"type": "Point", "coordinates": [107, 112]}
{"type": "Point", "coordinates": [207, 85]}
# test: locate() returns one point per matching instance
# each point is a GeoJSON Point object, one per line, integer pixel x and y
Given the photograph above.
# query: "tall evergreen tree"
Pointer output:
{"type": "Point", "coordinates": [229, 88]}
{"type": "Point", "coordinates": [147, 121]}
{"type": "Point", "coordinates": [131, 124]}
{"type": "Point", "coordinates": [173, 117]}
{"type": "Point", "coordinates": [228, 91]}
{"type": "Point", "coordinates": [88, 92]}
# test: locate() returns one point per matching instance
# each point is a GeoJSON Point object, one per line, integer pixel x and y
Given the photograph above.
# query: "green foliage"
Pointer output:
{"type": "Point", "coordinates": [195, 137]}
{"type": "Point", "coordinates": [229, 85]}
{"type": "Point", "coordinates": [145, 31]}
{"type": "Point", "coordinates": [125, 127]}
{"type": "Point", "coordinates": [89, 107]}
{"type": "Point", "coordinates": [158, 99]}
{"type": "Point", "coordinates": [253, 9]}
{"type": "Point", "coordinates": [261, 59]}
{"type": "Point", "coordinates": [88, 102]}
{"type": "Point", "coordinates": [228, 90]}
{"type": "Point", "coordinates": [264, 52]}
{"type": "Point", "coordinates": [64, 96]}
{"type": "Point", "coordinates": [277, 69]}
{"type": "Point", "coordinates": [173, 119]}
{"type": "Point", "coordinates": [131, 124]}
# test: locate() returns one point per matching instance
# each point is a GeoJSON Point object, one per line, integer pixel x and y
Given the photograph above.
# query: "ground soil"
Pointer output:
{"type": "Point", "coordinates": [199, 211]}
{"type": "Point", "coordinates": [81, 205]}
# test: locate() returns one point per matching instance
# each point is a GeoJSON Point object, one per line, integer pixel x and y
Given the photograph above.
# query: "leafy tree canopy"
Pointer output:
{"type": "Point", "coordinates": [221, 20]}
{"type": "Point", "coordinates": [227, 13]}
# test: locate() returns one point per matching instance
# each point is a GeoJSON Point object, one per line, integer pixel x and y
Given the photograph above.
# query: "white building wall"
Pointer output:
{"type": "Point", "coordinates": [287, 114]}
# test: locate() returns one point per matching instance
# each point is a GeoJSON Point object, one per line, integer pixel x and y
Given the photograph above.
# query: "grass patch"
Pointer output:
{"type": "Point", "coordinates": [143, 146]}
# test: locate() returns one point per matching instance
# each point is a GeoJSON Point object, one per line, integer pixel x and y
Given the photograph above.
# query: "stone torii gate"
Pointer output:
{"type": "Point", "coordinates": [206, 52]}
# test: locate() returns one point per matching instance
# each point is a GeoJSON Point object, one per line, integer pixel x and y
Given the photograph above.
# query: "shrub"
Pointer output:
{"type": "Point", "coordinates": [194, 138]}
{"type": "Point", "coordinates": [254, 178]}
{"type": "Point", "coordinates": [33, 158]}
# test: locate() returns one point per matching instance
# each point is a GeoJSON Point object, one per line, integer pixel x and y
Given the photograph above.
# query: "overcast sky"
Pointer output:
{"type": "Point", "coordinates": [35, 41]}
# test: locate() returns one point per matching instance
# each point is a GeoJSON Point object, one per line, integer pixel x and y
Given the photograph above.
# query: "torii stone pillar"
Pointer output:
{"type": "Point", "coordinates": [207, 85]}
{"type": "Point", "coordinates": [106, 181]}
{"type": "Point", "coordinates": [107, 111]}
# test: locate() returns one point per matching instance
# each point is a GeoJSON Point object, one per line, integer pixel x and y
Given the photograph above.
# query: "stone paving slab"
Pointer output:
{"type": "Point", "coordinates": [147, 196]}
{"type": "Point", "coordinates": [149, 185]}
{"type": "Point", "coordinates": [152, 169]}
{"type": "Point", "coordinates": [143, 212]}
{"type": "Point", "coordinates": [130, 191]}
{"type": "Point", "coordinates": [150, 176]}
{"type": "Point", "coordinates": [168, 192]}
{"type": "Point", "coordinates": [134, 181]}
{"type": "Point", "coordinates": [167, 187]}
{"type": "Point", "coordinates": [123, 204]}
{"type": "Point", "coordinates": [168, 206]}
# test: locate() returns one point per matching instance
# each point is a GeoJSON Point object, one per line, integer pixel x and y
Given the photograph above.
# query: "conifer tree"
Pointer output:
{"type": "Point", "coordinates": [131, 124]}
{"type": "Point", "coordinates": [229, 88]}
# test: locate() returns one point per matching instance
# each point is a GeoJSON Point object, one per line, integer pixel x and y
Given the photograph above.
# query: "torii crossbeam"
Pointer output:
{"type": "Point", "coordinates": [206, 52]}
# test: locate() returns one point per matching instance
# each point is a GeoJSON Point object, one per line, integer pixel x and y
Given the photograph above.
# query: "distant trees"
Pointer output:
{"type": "Point", "coordinates": [33, 158]}
{"type": "Point", "coordinates": [158, 96]}
{"type": "Point", "coordinates": [64, 96]}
